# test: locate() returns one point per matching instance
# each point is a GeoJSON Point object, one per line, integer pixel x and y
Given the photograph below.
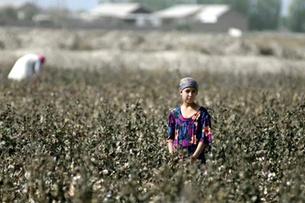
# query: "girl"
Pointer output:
{"type": "Point", "coordinates": [189, 125]}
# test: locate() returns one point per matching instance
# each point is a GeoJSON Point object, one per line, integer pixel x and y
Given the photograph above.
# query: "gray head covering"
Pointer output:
{"type": "Point", "coordinates": [188, 82]}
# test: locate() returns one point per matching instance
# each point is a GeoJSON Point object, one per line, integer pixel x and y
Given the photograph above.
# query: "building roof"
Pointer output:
{"type": "Point", "coordinates": [179, 11]}
{"type": "Point", "coordinates": [211, 13]}
{"type": "Point", "coordinates": [119, 10]}
{"type": "Point", "coordinates": [203, 12]}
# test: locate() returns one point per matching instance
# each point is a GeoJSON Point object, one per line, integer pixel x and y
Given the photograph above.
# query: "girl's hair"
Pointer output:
{"type": "Point", "coordinates": [188, 82]}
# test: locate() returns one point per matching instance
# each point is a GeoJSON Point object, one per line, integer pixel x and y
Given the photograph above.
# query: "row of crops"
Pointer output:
{"type": "Point", "coordinates": [99, 136]}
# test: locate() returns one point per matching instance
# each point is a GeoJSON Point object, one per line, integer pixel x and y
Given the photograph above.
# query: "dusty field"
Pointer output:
{"type": "Point", "coordinates": [254, 52]}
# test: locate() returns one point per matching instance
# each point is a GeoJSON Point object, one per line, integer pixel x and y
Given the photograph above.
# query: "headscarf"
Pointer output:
{"type": "Point", "coordinates": [42, 58]}
{"type": "Point", "coordinates": [188, 82]}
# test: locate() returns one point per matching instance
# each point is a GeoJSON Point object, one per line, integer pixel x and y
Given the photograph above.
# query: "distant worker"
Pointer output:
{"type": "Point", "coordinates": [27, 66]}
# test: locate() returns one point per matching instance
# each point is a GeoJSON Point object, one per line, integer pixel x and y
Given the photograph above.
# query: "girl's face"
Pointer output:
{"type": "Point", "coordinates": [188, 95]}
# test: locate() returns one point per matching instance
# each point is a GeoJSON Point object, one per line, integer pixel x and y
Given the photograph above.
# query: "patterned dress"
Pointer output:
{"type": "Point", "coordinates": [186, 133]}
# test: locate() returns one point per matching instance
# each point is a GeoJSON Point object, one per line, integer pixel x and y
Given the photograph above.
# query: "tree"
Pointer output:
{"type": "Point", "coordinates": [8, 13]}
{"type": "Point", "coordinates": [264, 14]}
{"type": "Point", "coordinates": [241, 6]}
{"type": "Point", "coordinates": [296, 19]}
{"type": "Point", "coordinates": [29, 10]}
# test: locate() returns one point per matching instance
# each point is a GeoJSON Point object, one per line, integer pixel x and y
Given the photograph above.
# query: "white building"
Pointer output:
{"type": "Point", "coordinates": [204, 17]}
{"type": "Point", "coordinates": [122, 13]}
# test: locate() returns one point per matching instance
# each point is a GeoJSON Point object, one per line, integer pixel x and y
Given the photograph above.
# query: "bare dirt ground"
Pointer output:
{"type": "Point", "coordinates": [254, 52]}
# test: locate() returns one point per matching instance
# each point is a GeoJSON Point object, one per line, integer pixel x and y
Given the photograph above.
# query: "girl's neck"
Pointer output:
{"type": "Point", "coordinates": [189, 110]}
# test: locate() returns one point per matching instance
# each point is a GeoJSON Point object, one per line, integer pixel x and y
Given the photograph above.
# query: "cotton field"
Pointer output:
{"type": "Point", "coordinates": [92, 127]}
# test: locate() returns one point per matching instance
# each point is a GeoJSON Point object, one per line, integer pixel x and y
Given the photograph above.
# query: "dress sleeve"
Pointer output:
{"type": "Point", "coordinates": [207, 135]}
{"type": "Point", "coordinates": [171, 126]}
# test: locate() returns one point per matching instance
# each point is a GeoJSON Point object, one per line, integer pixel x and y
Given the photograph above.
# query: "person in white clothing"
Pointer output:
{"type": "Point", "coordinates": [27, 66]}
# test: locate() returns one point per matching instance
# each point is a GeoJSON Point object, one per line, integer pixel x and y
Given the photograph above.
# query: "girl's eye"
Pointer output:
{"type": "Point", "coordinates": [192, 91]}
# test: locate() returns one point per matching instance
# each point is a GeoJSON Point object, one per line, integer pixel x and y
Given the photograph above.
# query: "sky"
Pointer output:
{"type": "Point", "coordinates": [76, 5]}
{"type": "Point", "coordinates": [70, 4]}
{"type": "Point", "coordinates": [285, 7]}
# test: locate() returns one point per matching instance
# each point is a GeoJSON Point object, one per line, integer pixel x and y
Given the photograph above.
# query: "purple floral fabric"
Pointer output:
{"type": "Point", "coordinates": [188, 132]}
